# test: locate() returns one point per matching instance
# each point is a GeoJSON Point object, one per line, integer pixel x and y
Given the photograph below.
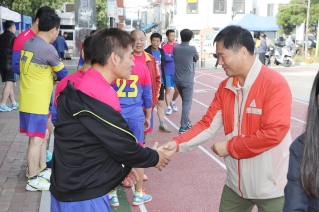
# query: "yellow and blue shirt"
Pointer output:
{"type": "Point", "coordinates": [37, 62]}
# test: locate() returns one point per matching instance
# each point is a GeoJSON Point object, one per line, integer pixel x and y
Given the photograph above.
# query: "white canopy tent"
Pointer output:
{"type": "Point", "coordinates": [6, 14]}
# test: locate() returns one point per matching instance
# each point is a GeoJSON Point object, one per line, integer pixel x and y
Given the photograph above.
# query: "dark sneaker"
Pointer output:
{"type": "Point", "coordinates": [182, 130]}
{"type": "Point", "coordinates": [189, 125]}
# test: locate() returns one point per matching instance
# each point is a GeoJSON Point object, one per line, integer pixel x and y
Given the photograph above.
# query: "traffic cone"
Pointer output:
{"type": "Point", "coordinates": [308, 61]}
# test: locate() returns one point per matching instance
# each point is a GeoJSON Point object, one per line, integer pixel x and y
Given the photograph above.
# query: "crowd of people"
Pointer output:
{"type": "Point", "coordinates": [103, 112]}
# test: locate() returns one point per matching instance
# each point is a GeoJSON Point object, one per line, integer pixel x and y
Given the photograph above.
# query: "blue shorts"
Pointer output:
{"type": "Point", "coordinates": [170, 82]}
{"type": "Point", "coordinates": [34, 125]}
{"type": "Point", "coordinates": [137, 127]}
{"type": "Point", "coordinates": [100, 204]}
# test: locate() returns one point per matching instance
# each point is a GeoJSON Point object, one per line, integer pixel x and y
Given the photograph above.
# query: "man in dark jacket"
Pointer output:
{"type": "Point", "coordinates": [60, 45]}
{"type": "Point", "coordinates": [94, 149]}
{"type": "Point", "coordinates": [7, 75]}
{"type": "Point", "coordinates": [160, 57]}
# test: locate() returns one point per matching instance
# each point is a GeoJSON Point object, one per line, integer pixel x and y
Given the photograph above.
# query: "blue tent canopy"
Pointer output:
{"type": "Point", "coordinates": [149, 26]}
{"type": "Point", "coordinates": [253, 22]}
{"type": "Point", "coordinates": [26, 21]}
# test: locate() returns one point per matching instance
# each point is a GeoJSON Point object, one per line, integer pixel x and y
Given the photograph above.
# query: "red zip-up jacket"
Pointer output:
{"type": "Point", "coordinates": [256, 122]}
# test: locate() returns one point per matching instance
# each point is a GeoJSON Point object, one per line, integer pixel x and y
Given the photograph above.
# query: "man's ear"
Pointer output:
{"type": "Point", "coordinates": [82, 53]}
{"type": "Point", "coordinates": [114, 58]}
{"type": "Point", "coordinates": [243, 52]}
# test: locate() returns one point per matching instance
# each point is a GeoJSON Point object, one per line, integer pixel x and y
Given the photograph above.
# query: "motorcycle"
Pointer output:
{"type": "Point", "coordinates": [270, 53]}
{"type": "Point", "coordinates": [282, 56]}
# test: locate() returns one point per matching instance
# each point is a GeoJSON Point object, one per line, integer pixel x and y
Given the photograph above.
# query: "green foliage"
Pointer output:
{"type": "Point", "coordinates": [30, 7]}
{"type": "Point", "coordinates": [295, 13]}
{"type": "Point", "coordinates": [101, 16]}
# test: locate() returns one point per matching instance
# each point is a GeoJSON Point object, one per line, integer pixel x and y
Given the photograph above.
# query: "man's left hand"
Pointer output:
{"type": "Point", "coordinates": [220, 149]}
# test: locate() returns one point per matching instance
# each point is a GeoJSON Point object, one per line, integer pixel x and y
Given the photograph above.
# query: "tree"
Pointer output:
{"type": "Point", "coordinates": [29, 8]}
{"type": "Point", "coordinates": [101, 16]}
{"type": "Point", "coordinates": [295, 13]}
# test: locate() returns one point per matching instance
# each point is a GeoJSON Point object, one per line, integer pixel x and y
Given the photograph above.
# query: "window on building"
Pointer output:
{"type": "Point", "coordinates": [239, 6]}
{"type": "Point", "coordinates": [192, 6]}
{"type": "Point", "coordinates": [270, 10]}
{"type": "Point", "coordinates": [220, 6]}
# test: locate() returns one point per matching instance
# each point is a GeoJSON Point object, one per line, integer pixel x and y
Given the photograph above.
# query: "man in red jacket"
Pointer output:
{"type": "Point", "coordinates": [253, 105]}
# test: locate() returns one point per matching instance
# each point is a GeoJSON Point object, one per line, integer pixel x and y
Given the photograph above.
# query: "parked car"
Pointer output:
{"type": "Point", "coordinates": [312, 41]}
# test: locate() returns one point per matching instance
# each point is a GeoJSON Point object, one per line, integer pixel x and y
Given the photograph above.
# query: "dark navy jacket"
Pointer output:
{"type": "Point", "coordinates": [60, 44]}
{"type": "Point", "coordinates": [295, 197]}
{"type": "Point", "coordinates": [6, 43]}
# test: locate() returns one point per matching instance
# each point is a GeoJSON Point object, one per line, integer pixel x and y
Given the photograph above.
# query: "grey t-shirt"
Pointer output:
{"type": "Point", "coordinates": [184, 58]}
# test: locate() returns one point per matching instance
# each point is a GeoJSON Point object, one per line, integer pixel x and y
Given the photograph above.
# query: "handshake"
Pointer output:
{"type": "Point", "coordinates": [165, 152]}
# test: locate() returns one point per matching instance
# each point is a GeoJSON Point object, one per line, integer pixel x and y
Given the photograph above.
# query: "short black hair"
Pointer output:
{"type": "Point", "coordinates": [186, 35]}
{"type": "Point", "coordinates": [135, 30]}
{"type": "Point", "coordinates": [92, 32]}
{"type": "Point", "coordinates": [169, 31]}
{"type": "Point", "coordinates": [87, 49]}
{"type": "Point", "coordinates": [8, 24]}
{"type": "Point", "coordinates": [44, 9]}
{"type": "Point", "coordinates": [108, 40]}
{"type": "Point", "coordinates": [235, 37]}
{"type": "Point", "coordinates": [49, 21]}
{"type": "Point", "coordinates": [156, 35]}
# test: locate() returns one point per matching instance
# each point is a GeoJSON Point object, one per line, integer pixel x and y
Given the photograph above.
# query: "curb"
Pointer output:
{"type": "Point", "coordinates": [45, 202]}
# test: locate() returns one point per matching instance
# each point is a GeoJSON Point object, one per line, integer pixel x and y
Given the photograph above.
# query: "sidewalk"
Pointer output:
{"type": "Point", "coordinates": [13, 148]}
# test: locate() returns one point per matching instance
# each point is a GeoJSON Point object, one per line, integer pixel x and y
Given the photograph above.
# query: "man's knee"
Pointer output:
{"type": "Point", "coordinates": [36, 141]}
{"type": "Point", "coordinates": [232, 202]}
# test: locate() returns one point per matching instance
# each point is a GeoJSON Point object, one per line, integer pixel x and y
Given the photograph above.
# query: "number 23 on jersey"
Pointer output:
{"type": "Point", "coordinates": [132, 87]}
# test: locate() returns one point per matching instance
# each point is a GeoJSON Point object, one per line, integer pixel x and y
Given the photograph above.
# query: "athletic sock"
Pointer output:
{"type": "Point", "coordinates": [42, 169]}
{"type": "Point", "coordinates": [139, 193]}
{"type": "Point", "coordinates": [112, 193]}
{"type": "Point", "coordinates": [173, 102]}
{"type": "Point", "coordinates": [2, 104]}
{"type": "Point", "coordinates": [161, 123]}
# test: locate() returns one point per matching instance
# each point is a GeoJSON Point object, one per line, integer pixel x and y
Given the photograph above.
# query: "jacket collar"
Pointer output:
{"type": "Point", "coordinates": [147, 57]}
{"type": "Point", "coordinates": [232, 82]}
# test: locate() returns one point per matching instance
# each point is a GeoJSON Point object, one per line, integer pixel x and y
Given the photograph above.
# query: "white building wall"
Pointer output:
{"type": "Point", "coordinates": [206, 18]}
{"type": "Point", "coordinates": [262, 6]}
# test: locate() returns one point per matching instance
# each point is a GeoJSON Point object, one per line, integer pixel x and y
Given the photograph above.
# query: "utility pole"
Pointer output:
{"type": "Point", "coordinates": [307, 29]}
{"type": "Point", "coordinates": [317, 46]}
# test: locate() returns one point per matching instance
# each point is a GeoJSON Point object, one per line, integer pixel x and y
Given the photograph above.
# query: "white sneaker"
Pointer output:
{"type": "Point", "coordinates": [38, 184]}
{"type": "Point", "coordinates": [174, 106]}
{"type": "Point", "coordinates": [169, 111]}
{"type": "Point", "coordinates": [45, 174]}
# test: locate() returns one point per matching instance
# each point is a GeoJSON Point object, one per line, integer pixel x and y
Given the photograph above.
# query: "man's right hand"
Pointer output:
{"type": "Point", "coordinates": [163, 158]}
{"type": "Point", "coordinates": [169, 148]}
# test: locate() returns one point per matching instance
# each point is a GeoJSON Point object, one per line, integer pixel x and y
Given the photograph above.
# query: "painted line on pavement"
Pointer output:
{"type": "Point", "coordinates": [200, 147]}
{"type": "Point", "coordinates": [142, 207]}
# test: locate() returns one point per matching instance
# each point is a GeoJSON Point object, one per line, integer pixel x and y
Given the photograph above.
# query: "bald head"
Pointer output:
{"type": "Point", "coordinates": [140, 39]}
